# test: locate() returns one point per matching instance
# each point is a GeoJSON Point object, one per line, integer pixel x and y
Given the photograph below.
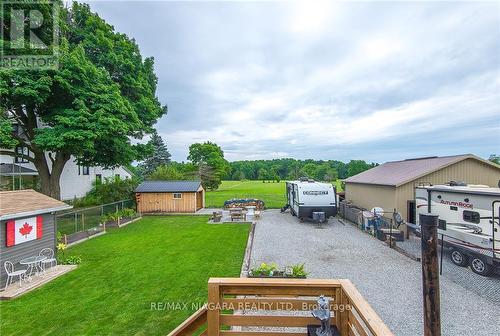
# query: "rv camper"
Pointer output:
{"type": "Point", "coordinates": [469, 221]}
{"type": "Point", "coordinates": [308, 199]}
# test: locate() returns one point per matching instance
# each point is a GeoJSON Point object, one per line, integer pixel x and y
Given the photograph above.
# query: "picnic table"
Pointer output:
{"type": "Point", "coordinates": [237, 213]}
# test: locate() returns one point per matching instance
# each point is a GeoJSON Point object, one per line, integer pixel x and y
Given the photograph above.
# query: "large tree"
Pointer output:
{"type": "Point", "coordinates": [100, 98]}
{"type": "Point", "coordinates": [159, 156]}
{"type": "Point", "coordinates": [210, 159]}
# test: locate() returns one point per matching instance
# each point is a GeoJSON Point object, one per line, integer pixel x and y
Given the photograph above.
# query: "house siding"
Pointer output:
{"type": "Point", "coordinates": [15, 253]}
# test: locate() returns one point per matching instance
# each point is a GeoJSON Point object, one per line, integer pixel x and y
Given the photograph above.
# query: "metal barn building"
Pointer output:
{"type": "Point", "coordinates": [170, 196]}
{"type": "Point", "coordinates": [392, 184]}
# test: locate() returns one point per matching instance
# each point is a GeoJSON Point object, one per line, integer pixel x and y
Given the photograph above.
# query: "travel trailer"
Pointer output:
{"type": "Point", "coordinates": [308, 199]}
{"type": "Point", "coordinates": [468, 220]}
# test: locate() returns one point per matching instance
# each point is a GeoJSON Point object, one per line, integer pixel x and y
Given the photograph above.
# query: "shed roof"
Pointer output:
{"type": "Point", "coordinates": [168, 186]}
{"type": "Point", "coordinates": [20, 203]}
{"type": "Point", "coordinates": [397, 173]}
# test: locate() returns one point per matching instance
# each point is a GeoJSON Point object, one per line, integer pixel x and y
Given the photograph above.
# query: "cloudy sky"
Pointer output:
{"type": "Point", "coordinates": [323, 80]}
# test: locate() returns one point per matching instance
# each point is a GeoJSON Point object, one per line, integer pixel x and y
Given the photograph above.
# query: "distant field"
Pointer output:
{"type": "Point", "coordinates": [273, 194]}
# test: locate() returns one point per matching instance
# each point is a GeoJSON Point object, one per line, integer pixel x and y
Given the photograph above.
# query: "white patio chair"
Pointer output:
{"type": "Point", "coordinates": [49, 254]}
{"type": "Point", "coordinates": [11, 273]}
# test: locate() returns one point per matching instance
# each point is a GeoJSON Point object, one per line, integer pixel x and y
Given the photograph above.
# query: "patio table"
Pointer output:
{"type": "Point", "coordinates": [34, 265]}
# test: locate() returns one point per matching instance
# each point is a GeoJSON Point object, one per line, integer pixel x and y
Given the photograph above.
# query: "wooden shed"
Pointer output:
{"type": "Point", "coordinates": [170, 196]}
{"type": "Point", "coordinates": [27, 225]}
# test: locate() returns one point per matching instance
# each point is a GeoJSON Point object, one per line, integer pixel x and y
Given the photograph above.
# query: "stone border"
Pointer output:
{"type": "Point", "coordinates": [245, 267]}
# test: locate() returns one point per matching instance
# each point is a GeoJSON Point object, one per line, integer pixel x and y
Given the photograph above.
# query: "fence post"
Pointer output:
{"type": "Point", "coordinates": [76, 221]}
{"type": "Point", "coordinates": [83, 221]}
{"type": "Point", "coordinates": [430, 275]}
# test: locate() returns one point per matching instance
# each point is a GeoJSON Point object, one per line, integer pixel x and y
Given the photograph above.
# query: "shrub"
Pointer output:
{"type": "Point", "coordinates": [265, 269]}
{"type": "Point", "coordinates": [127, 212]}
{"type": "Point", "coordinates": [73, 260]}
{"type": "Point", "coordinates": [111, 190]}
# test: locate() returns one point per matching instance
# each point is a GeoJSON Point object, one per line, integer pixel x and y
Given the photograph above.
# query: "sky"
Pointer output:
{"type": "Point", "coordinates": [378, 81]}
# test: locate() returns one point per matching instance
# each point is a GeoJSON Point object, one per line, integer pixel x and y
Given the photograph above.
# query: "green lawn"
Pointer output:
{"type": "Point", "coordinates": [157, 259]}
{"type": "Point", "coordinates": [273, 194]}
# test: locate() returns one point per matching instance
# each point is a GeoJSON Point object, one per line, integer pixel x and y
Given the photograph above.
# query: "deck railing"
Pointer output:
{"type": "Point", "coordinates": [236, 306]}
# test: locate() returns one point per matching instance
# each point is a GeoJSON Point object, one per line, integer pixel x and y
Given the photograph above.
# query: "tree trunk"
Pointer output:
{"type": "Point", "coordinates": [50, 178]}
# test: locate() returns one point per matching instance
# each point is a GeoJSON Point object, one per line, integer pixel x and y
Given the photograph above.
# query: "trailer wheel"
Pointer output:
{"type": "Point", "coordinates": [459, 258]}
{"type": "Point", "coordinates": [479, 266]}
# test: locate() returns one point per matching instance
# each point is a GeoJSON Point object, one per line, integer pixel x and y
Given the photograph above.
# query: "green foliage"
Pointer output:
{"type": "Point", "coordinates": [111, 190]}
{"type": "Point", "coordinates": [264, 269]}
{"type": "Point", "coordinates": [292, 169]}
{"type": "Point", "coordinates": [159, 157]}
{"type": "Point", "coordinates": [168, 173]}
{"type": "Point", "coordinates": [101, 97]}
{"type": "Point", "coordinates": [212, 166]}
{"type": "Point", "coordinates": [72, 260]}
{"type": "Point", "coordinates": [298, 270]}
{"type": "Point", "coordinates": [494, 158]}
{"type": "Point", "coordinates": [127, 212]}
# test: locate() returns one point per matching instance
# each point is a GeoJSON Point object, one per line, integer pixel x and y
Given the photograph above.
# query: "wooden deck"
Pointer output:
{"type": "Point", "coordinates": [13, 290]}
{"type": "Point", "coordinates": [239, 304]}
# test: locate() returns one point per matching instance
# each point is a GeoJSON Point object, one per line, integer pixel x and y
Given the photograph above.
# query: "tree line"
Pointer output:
{"type": "Point", "coordinates": [206, 162]}
{"type": "Point", "coordinates": [290, 169]}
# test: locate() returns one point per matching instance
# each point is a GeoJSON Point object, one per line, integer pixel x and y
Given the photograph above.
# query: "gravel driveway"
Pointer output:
{"type": "Point", "coordinates": [389, 281]}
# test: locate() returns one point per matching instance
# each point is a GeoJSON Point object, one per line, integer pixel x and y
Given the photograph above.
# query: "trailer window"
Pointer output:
{"type": "Point", "coordinates": [471, 216]}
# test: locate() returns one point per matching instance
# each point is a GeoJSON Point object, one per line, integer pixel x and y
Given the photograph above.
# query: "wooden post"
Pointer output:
{"type": "Point", "coordinates": [430, 275]}
{"type": "Point", "coordinates": [213, 306]}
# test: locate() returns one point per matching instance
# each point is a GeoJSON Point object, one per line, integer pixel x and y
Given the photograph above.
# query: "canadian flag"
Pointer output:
{"type": "Point", "coordinates": [24, 230]}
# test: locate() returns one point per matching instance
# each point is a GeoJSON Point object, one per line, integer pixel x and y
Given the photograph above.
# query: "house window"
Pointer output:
{"type": "Point", "coordinates": [177, 195]}
{"type": "Point", "coordinates": [83, 170]}
{"type": "Point", "coordinates": [98, 178]}
{"type": "Point", "coordinates": [472, 216]}
{"type": "Point", "coordinates": [22, 151]}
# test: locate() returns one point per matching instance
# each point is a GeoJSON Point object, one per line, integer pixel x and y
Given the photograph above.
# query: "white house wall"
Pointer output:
{"type": "Point", "coordinates": [72, 184]}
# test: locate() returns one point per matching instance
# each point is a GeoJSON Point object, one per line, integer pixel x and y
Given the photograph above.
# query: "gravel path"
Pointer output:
{"type": "Point", "coordinates": [389, 281]}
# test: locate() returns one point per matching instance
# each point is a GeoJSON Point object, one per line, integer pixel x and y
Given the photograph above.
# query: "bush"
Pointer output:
{"type": "Point", "coordinates": [73, 260]}
{"type": "Point", "coordinates": [112, 190]}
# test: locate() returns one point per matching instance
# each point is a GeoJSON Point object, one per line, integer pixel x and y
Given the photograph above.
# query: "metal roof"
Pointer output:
{"type": "Point", "coordinates": [21, 203]}
{"type": "Point", "coordinates": [10, 169]}
{"type": "Point", "coordinates": [397, 173]}
{"type": "Point", "coordinates": [168, 186]}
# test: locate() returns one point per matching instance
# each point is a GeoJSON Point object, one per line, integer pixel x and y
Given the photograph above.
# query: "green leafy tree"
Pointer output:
{"type": "Point", "coordinates": [212, 166]}
{"type": "Point", "coordinates": [494, 158]}
{"type": "Point", "coordinates": [168, 173]}
{"type": "Point", "coordinates": [160, 155]}
{"type": "Point", "coordinates": [100, 98]}
{"type": "Point", "coordinates": [357, 166]}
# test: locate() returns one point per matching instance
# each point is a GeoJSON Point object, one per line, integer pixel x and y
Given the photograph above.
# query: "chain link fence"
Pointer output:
{"type": "Point", "coordinates": [410, 245]}
{"type": "Point", "coordinates": [80, 224]}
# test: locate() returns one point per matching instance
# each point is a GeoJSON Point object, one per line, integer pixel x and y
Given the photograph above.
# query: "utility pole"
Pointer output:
{"type": "Point", "coordinates": [430, 275]}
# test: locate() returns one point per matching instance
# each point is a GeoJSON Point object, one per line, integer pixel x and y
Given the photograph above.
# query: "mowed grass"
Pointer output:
{"type": "Point", "coordinates": [157, 259]}
{"type": "Point", "coordinates": [273, 194]}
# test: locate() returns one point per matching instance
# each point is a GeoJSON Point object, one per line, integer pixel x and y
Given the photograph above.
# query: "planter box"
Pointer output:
{"type": "Point", "coordinates": [278, 274]}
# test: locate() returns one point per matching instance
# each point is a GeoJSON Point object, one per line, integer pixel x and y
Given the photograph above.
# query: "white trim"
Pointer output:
{"type": "Point", "coordinates": [177, 193]}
